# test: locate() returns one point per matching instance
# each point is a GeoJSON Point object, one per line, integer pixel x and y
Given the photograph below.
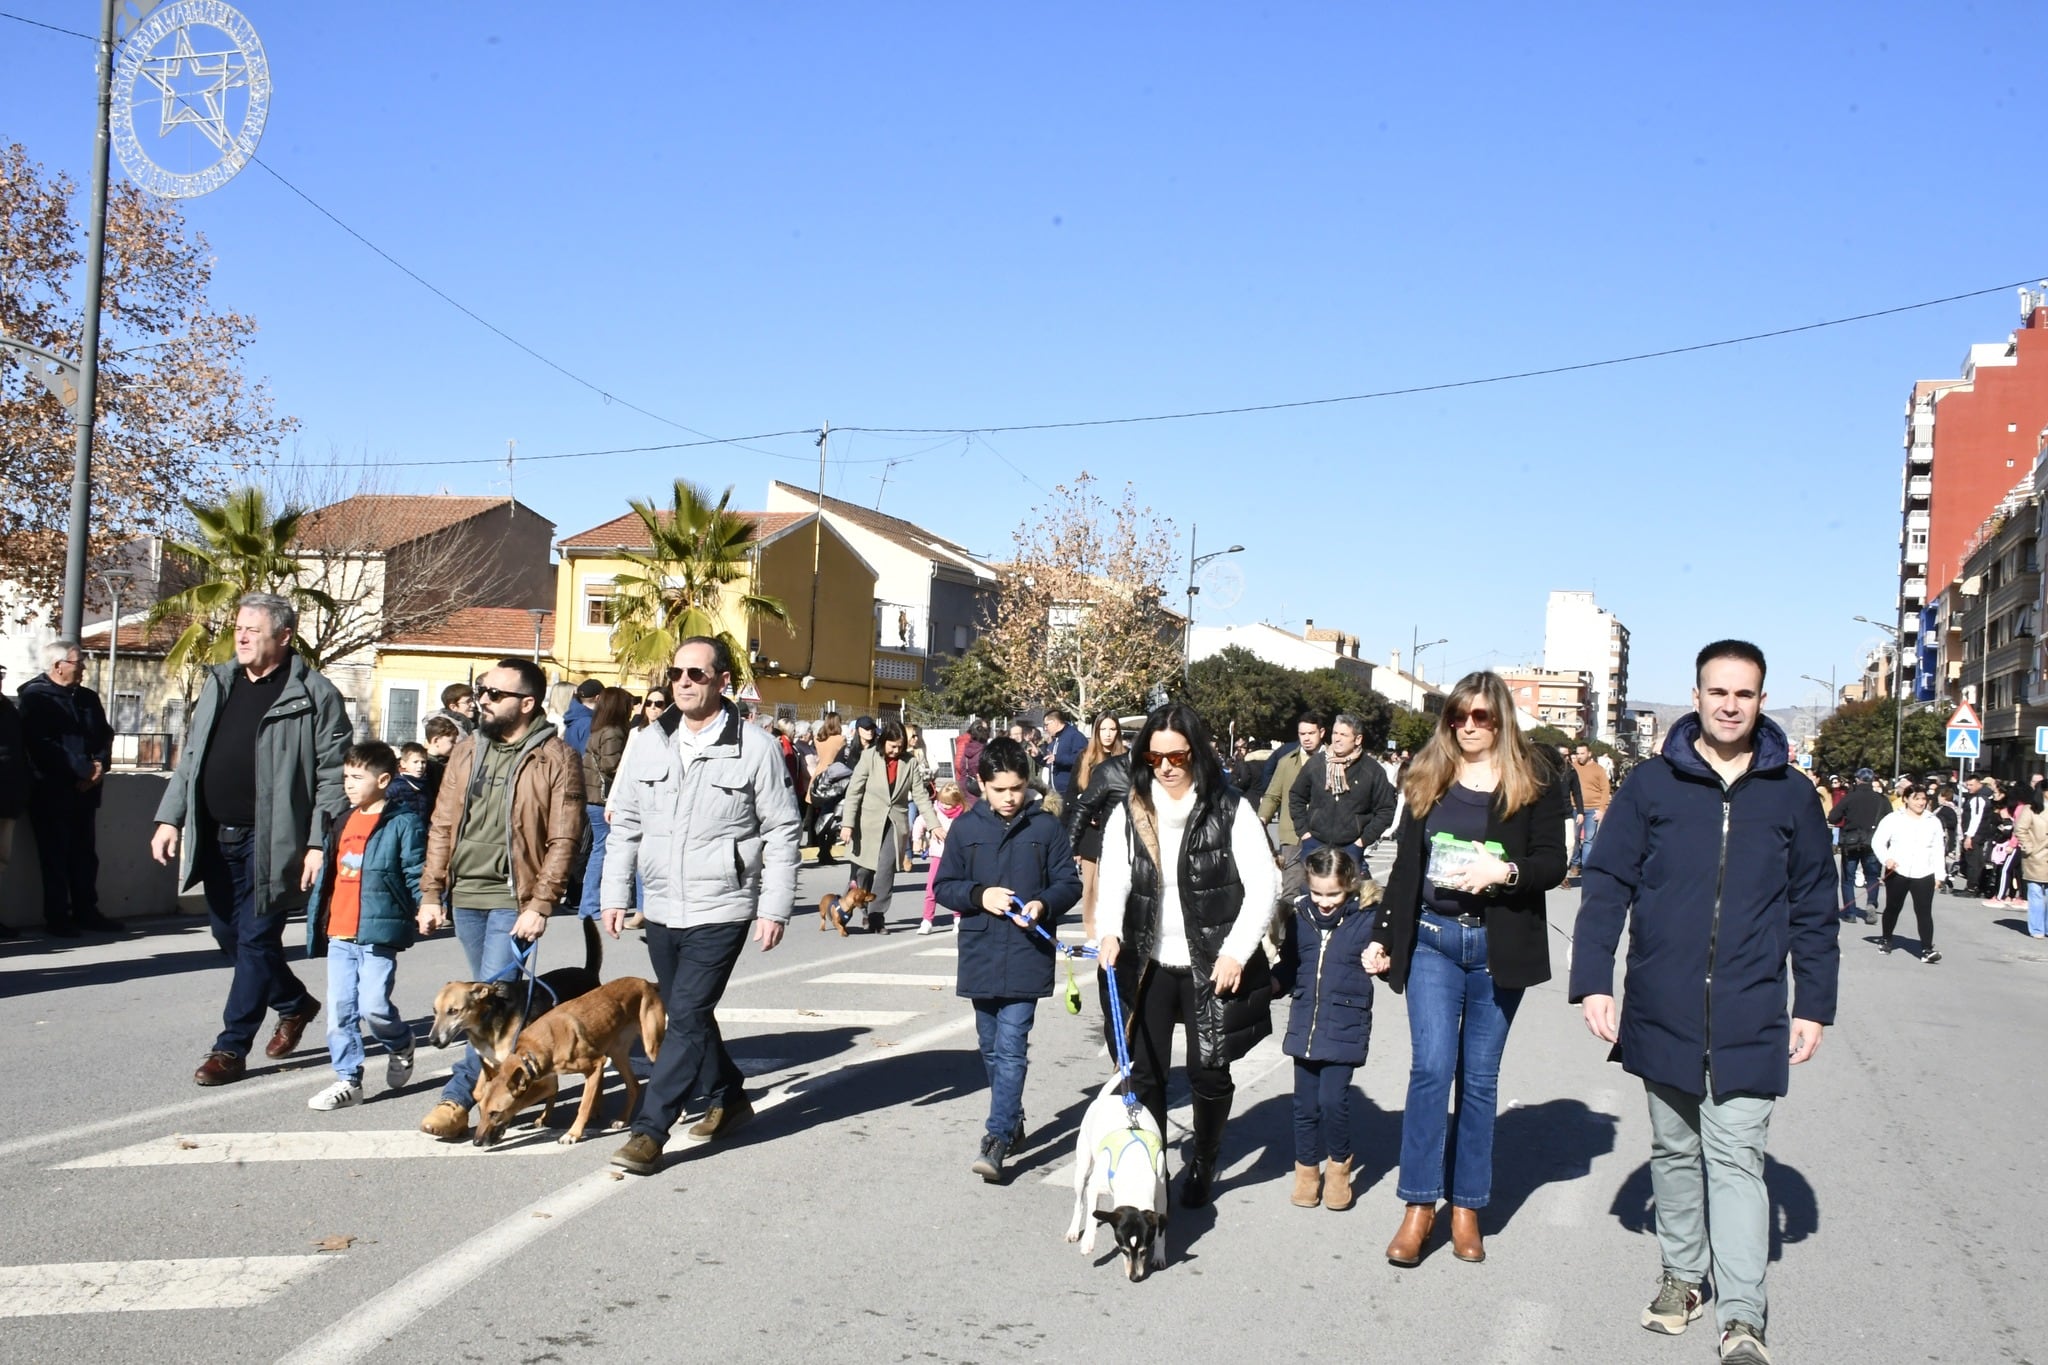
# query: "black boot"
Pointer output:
{"type": "Point", "coordinates": [1209, 1118]}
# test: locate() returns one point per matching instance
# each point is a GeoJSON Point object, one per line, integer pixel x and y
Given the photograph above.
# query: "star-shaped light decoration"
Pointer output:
{"type": "Point", "coordinates": [201, 102]}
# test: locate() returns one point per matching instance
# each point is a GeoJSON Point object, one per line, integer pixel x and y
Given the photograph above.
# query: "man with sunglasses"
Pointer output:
{"type": "Point", "coordinates": [703, 812]}
{"type": "Point", "coordinates": [499, 846]}
{"type": "Point", "coordinates": [1341, 799]}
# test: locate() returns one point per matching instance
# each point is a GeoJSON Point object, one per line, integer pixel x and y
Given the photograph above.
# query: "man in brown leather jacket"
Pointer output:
{"type": "Point", "coordinates": [499, 845]}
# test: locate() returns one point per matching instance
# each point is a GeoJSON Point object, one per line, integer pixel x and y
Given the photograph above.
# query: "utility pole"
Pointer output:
{"type": "Point", "coordinates": [817, 557]}
{"type": "Point", "coordinates": [79, 537]}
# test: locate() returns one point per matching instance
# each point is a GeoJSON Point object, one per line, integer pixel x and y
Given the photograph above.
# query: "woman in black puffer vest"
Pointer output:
{"type": "Point", "coordinates": [1184, 892]}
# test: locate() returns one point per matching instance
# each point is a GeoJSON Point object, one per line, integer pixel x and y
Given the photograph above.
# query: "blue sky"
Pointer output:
{"type": "Point", "coordinates": [752, 218]}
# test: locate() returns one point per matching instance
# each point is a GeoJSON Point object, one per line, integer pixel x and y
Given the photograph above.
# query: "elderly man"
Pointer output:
{"type": "Point", "coordinates": [1340, 801]}
{"type": "Point", "coordinates": [249, 807]}
{"type": "Point", "coordinates": [703, 813]}
{"type": "Point", "coordinates": [70, 746]}
{"type": "Point", "coordinates": [499, 847]}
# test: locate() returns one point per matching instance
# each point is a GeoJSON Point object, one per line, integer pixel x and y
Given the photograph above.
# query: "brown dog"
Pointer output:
{"type": "Point", "coordinates": [580, 1035]}
{"type": "Point", "coordinates": [835, 911]}
{"type": "Point", "coordinates": [492, 1013]}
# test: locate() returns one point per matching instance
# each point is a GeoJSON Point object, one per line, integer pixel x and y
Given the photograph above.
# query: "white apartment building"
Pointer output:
{"type": "Point", "coordinates": [1579, 635]}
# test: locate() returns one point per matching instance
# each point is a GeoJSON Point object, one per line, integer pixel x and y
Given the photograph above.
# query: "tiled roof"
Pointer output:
{"type": "Point", "coordinates": [628, 532]}
{"type": "Point", "coordinates": [135, 637]}
{"type": "Point", "coordinates": [506, 630]}
{"type": "Point", "coordinates": [896, 530]}
{"type": "Point", "coordinates": [381, 521]}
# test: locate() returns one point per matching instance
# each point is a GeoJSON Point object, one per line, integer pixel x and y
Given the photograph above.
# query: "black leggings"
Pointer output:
{"type": "Point", "coordinates": [1166, 999]}
{"type": "Point", "coordinates": [1896, 889]}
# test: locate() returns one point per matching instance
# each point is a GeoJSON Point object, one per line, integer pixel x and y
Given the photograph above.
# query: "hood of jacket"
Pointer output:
{"type": "Point", "coordinates": [1770, 749]}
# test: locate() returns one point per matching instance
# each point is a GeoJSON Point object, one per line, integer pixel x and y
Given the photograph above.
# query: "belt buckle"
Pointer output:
{"type": "Point", "coordinates": [1472, 921]}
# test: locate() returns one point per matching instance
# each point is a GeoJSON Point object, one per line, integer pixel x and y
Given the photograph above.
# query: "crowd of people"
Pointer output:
{"type": "Point", "coordinates": [682, 813]}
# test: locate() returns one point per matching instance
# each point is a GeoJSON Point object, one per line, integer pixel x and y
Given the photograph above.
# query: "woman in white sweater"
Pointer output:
{"type": "Point", "coordinates": [1909, 844]}
{"type": "Point", "coordinates": [1185, 888]}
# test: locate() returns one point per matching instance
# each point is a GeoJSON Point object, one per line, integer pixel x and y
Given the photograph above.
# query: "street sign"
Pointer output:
{"type": "Point", "coordinates": [2041, 739]}
{"type": "Point", "coordinates": [1962, 741]}
{"type": "Point", "coordinates": [1965, 718]}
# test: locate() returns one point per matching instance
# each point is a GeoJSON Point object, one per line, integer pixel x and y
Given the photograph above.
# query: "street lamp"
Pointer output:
{"type": "Point", "coordinates": [1187, 625]}
{"type": "Point", "coordinates": [1898, 701]}
{"type": "Point", "coordinates": [1415, 651]}
{"type": "Point", "coordinates": [539, 615]}
{"type": "Point", "coordinates": [115, 580]}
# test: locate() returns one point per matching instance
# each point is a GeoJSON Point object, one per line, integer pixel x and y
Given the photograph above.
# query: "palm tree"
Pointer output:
{"type": "Point", "coordinates": [243, 549]}
{"type": "Point", "coordinates": [699, 549]}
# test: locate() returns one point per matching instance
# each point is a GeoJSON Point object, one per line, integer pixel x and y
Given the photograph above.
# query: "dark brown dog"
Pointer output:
{"type": "Point", "coordinates": [836, 911]}
{"type": "Point", "coordinates": [579, 1036]}
{"type": "Point", "coordinates": [492, 1013]}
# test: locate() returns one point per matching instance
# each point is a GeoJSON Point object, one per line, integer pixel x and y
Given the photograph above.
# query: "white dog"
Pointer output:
{"type": "Point", "coordinates": [1120, 1160]}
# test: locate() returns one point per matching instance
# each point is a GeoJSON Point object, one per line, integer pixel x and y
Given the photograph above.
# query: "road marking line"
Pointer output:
{"type": "Point", "coordinates": [817, 1018]}
{"type": "Point", "coordinates": [294, 1079]}
{"type": "Point", "coordinates": [28, 1291]}
{"type": "Point", "coordinates": [895, 944]}
{"type": "Point", "coordinates": [880, 979]}
{"type": "Point", "coordinates": [940, 952]}
{"type": "Point", "coordinates": [365, 1144]}
{"type": "Point", "coordinates": [375, 1322]}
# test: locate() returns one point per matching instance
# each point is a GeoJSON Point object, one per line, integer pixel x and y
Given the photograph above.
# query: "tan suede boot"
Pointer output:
{"type": "Point", "coordinates": [1308, 1182]}
{"type": "Point", "coordinates": [1337, 1185]}
{"type": "Point", "coordinates": [1416, 1222]}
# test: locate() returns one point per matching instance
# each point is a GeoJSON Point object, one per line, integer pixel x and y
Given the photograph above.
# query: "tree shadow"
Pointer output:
{"type": "Point", "coordinates": [60, 968]}
{"type": "Point", "coordinates": [1795, 1211]}
{"type": "Point", "coordinates": [1542, 1144]}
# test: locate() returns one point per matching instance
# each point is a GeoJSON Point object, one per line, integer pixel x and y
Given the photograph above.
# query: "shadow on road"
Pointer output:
{"type": "Point", "coordinates": [1795, 1212]}
{"type": "Point", "coordinates": [60, 975]}
{"type": "Point", "coordinates": [1542, 1144]}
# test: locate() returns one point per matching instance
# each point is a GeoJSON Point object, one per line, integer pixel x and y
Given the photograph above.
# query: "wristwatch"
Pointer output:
{"type": "Point", "coordinates": [1514, 878]}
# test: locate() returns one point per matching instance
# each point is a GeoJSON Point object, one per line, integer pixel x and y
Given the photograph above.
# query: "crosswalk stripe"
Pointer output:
{"type": "Point", "coordinates": [940, 952]}
{"type": "Point", "coordinates": [28, 1291]}
{"type": "Point", "coordinates": [817, 1018]}
{"type": "Point", "coordinates": [881, 979]}
{"type": "Point", "coordinates": [365, 1144]}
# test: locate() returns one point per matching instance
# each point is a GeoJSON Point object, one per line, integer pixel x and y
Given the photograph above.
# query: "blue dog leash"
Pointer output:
{"type": "Point", "coordinates": [1116, 1009]}
{"type": "Point", "coordinates": [526, 958]}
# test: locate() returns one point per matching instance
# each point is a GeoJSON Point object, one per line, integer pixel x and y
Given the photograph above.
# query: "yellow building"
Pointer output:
{"type": "Point", "coordinates": [411, 670]}
{"type": "Point", "coordinates": [822, 660]}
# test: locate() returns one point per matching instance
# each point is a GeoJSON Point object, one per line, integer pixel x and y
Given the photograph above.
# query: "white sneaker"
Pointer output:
{"type": "Point", "coordinates": [340, 1095]}
{"type": "Point", "coordinates": [924, 928]}
{"type": "Point", "coordinates": [956, 925]}
{"type": "Point", "coordinates": [398, 1069]}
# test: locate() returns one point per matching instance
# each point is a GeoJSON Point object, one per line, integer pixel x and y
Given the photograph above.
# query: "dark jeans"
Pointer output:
{"type": "Point", "coordinates": [1853, 857]}
{"type": "Point", "coordinates": [67, 850]}
{"type": "Point", "coordinates": [691, 966]}
{"type": "Point", "coordinates": [1166, 999]}
{"type": "Point", "coordinates": [1003, 1028]}
{"type": "Point", "coordinates": [1322, 1112]}
{"type": "Point", "coordinates": [1896, 889]}
{"type": "Point", "coordinates": [255, 942]}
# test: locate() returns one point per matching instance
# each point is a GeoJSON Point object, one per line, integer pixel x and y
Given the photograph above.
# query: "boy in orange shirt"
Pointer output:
{"type": "Point", "coordinates": [362, 914]}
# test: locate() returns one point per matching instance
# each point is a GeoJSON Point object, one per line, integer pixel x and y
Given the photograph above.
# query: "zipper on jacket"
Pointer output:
{"type": "Point", "coordinates": [1714, 928]}
{"type": "Point", "coordinates": [1316, 1010]}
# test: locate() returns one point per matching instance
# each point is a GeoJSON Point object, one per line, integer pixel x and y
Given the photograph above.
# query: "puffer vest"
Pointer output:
{"type": "Point", "coordinates": [1211, 894]}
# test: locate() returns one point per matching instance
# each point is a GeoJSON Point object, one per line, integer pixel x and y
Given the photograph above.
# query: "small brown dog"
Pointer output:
{"type": "Point", "coordinates": [836, 911]}
{"type": "Point", "coordinates": [580, 1035]}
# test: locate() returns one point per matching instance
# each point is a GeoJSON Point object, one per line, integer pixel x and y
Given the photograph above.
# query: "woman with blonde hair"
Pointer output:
{"type": "Point", "coordinates": [1462, 930]}
{"type": "Point", "coordinates": [1102, 778]}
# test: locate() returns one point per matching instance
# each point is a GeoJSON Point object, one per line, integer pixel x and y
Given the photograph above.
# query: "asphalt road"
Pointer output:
{"type": "Point", "coordinates": [149, 1219]}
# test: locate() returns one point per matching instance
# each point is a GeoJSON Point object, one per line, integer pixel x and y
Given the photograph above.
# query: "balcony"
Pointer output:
{"type": "Point", "coordinates": [902, 627]}
{"type": "Point", "coordinates": [1913, 590]}
{"type": "Point", "coordinates": [1920, 487]}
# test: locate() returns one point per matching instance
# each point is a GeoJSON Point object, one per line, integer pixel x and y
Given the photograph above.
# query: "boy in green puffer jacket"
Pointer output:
{"type": "Point", "coordinates": [361, 915]}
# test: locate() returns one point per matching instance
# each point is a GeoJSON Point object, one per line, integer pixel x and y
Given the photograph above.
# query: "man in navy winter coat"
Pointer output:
{"type": "Point", "coordinates": [1716, 855]}
{"type": "Point", "coordinates": [1004, 846]}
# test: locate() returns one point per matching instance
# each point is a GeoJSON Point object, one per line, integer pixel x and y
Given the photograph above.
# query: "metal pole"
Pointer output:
{"type": "Point", "coordinates": [1187, 624]}
{"type": "Point", "coordinates": [1898, 705]}
{"type": "Point", "coordinates": [817, 556]}
{"type": "Point", "coordinates": [89, 342]}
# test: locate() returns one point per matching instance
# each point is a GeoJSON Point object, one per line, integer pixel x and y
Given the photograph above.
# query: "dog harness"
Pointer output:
{"type": "Point", "coordinates": [1118, 1145]}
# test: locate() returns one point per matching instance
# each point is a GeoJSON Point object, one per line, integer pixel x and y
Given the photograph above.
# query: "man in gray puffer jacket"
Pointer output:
{"type": "Point", "coordinates": [703, 812]}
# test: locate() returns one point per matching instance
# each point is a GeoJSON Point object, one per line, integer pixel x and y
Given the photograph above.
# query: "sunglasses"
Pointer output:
{"type": "Point", "coordinates": [499, 693]}
{"type": "Point", "coordinates": [1176, 758]}
{"type": "Point", "coordinates": [655, 703]}
{"type": "Point", "coordinates": [699, 676]}
{"type": "Point", "coordinates": [1478, 715]}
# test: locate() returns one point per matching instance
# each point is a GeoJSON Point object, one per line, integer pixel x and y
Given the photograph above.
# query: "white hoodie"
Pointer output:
{"type": "Point", "coordinates": [1913, 842]}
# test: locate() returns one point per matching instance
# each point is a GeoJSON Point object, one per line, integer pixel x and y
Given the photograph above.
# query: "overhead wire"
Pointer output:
{"type": "Point", "coordinates": [37, 23]}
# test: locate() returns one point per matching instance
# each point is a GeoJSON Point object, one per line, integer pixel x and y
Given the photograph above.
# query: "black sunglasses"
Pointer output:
{"type": "Point", "coordinates": [700, 676]}
{"type": "Point", "coordinates": [499, 693]}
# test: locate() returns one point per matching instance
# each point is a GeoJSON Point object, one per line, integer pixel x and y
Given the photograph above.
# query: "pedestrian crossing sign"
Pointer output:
{"type": "Point", "coordinates": [1962, 741]}
{"type": "Point", "coordinates": [1965, 718]}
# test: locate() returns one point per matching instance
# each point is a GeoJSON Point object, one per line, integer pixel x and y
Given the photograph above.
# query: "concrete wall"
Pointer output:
{"type": "Point", "coordinates": [131, 884]}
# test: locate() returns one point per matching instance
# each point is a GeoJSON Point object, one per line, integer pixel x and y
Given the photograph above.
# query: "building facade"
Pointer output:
{"type": "Point", "coordinates": [1554, 697]}
{"type": "Point", "coordinates": [1316, 648]}
{"type": "Point", "coordinates": [1581, 636]}
{"type": "Point", "coordinates": [1993, 625]}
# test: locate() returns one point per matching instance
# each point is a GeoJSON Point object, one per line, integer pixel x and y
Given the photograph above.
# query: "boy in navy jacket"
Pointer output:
{"type": "Point", "coordinates": [1006, 846]}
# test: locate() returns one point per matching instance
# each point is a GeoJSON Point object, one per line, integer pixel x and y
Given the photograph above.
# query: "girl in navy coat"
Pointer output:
{"type": "Point", "coordinates": [1004, 848]}
{"type": "Point", "coordinates": [1331, 1025]}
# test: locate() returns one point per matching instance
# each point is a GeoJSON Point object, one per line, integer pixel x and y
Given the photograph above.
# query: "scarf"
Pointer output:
{"type": "Point", "coordinates": [1336, 774]}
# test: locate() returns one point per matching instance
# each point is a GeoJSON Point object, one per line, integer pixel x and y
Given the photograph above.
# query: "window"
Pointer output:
{"type": "Point", "coordinates": [127, 717]}
{"type": "Point", "coordinates": [960, 638]}
{"type": "Point", "coordinates": [597, 605]}
{"type": "Point", "coordinates": [401, 715]}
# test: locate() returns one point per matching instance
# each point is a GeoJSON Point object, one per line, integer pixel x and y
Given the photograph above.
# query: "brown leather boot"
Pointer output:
{"type": "Point", "coordinates": [1406, 1248]}
{"type": "Point", "coordinates": [1337, 1185]}
{"type": "Point", "coordinates": [1466, 1243]}
{"type": "Point", "coordinates": [1308, 1185]}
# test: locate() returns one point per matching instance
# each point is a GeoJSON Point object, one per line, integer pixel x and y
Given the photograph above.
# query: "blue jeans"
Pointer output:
{"type": "Point", "coordinates": [1873, 873]}
{"type": "Point", "coordinates": [359, 981]}
{"type": "Point", "coordinates": [1589, 830]}
{"type": "Point", "coordinates": [1322, 1112]}
{"type": "Point", "coordinates": [1004, 1028]}
{"type": "Point", "coordinates": [593, 870]}
{"type": "Point", "coordinates": [262, 980]}
{"type": "Point", "coordinates": [486, 938]}
{"type": "Point", "coordinates": [1457, 1029]}
{"type": "Point", "coordinates": [2037, 909]}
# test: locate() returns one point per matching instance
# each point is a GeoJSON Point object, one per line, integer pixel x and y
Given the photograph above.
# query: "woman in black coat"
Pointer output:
{"type": "Point", "coordinates": [1101, 780]}
{"type": "Point", "coordinates": [1462, 931]}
